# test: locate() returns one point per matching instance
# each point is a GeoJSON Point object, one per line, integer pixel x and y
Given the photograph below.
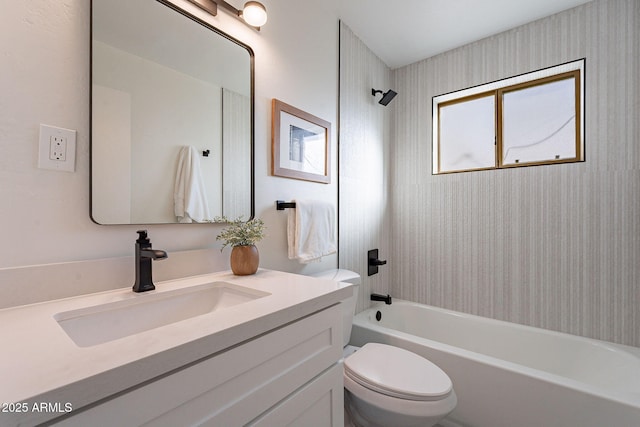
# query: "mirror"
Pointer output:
{"type": "Point", "coordinates": [171, 117]}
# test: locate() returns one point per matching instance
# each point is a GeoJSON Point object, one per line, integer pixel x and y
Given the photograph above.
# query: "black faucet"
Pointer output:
{"type": "Point", "coordinates": [144, 255]}
{"type": "Point", "coordinates": [378, 297]}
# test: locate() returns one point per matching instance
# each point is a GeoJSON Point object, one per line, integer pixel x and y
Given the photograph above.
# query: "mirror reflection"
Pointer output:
{"type": "Point", "coordinates": [171, 130]}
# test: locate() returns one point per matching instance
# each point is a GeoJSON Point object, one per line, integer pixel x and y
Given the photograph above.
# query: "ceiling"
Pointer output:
{"type": "Point", "coordinates": [401, 32]}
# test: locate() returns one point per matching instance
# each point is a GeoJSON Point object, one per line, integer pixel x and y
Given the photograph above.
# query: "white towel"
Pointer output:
{"type": "Point", "coordinates": [311, 231]}
{"type": "Point", "coordinates": [189, 195]}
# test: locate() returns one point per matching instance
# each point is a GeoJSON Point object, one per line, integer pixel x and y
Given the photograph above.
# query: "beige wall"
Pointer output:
{"type": "Point", "coordinates": [551, 246]}
{"type": "Point", "coordinates": [44, 215]}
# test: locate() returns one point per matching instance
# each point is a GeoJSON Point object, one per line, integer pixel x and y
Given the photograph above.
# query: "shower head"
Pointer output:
{"type": "Point", "coordinates": [386, 97]}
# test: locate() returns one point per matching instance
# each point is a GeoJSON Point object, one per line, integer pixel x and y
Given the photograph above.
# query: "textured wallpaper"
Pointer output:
{"type": "Point", "coordinates": [553, 246]}
{"type": "Point", "coordinates": [550, 246]}
{"type": "Point", "coordinates": [364, 164]}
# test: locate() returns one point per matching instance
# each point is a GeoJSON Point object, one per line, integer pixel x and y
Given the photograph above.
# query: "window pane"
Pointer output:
{"type": "Point", "coordinates": [467, 134]}
{"type": "Point", "coordinates": [539, 123]}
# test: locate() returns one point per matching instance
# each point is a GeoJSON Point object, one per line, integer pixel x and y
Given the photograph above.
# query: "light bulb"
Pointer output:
{"type": "Point", "coordinates": [254, 13]}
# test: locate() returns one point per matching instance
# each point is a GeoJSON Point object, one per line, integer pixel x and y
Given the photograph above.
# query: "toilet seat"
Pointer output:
{"type": "Point", "coordinates": [398, 373]}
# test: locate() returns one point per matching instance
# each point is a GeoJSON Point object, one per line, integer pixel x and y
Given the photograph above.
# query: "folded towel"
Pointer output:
{"type": "Point", "coordinates": [189, 195]}
{"type": "Point", "coordinates": [311, 231]}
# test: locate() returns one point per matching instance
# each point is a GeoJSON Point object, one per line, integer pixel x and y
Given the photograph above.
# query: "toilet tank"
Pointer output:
{"type": "Point", "coordinates": [349, 304]}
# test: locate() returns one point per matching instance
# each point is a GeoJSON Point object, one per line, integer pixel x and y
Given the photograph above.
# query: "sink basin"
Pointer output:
{"type": "Point", "coordinates": [99, 324]}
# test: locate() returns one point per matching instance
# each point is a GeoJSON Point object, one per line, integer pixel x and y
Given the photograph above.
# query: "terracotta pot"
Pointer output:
{"type": "Point", "coordinates": [244, 260]}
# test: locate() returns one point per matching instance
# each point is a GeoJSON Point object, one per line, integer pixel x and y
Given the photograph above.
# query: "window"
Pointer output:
{"type": "Point", "coordinates": [532, 119]}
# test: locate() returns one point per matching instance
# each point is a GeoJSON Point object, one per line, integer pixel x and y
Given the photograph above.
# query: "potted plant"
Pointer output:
{"type": "Point", "coordinates": [242, 237]}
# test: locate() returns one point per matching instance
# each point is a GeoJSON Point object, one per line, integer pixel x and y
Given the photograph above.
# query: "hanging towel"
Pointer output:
{"type": "Point", "coordinates": [311, 230]}
{"type": "Point", "coordinates": [189, 195]}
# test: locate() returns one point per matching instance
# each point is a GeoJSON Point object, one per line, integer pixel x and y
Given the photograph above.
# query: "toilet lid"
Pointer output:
{"type": "Point", "coordinates": [396, 372]}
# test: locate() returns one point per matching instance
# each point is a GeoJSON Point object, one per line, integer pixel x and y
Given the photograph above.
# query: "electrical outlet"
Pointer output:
{"type": "Point", "coordinates": [57, 149]}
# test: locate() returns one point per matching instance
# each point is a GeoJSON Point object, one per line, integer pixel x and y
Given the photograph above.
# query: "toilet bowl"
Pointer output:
{"type": "Point", "coordinates": [389, 386]}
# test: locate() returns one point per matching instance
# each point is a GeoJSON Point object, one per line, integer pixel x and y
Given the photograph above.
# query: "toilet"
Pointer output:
{"type": "Point", "coordinates": [387, 386]}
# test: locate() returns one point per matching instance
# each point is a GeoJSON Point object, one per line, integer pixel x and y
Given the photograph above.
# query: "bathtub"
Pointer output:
{"type": "Point", "coordinates": [509, 375]}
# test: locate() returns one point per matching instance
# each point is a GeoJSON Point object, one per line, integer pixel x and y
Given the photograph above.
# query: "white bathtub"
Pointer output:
{"type": "Point", "coordinates": [509, 375]}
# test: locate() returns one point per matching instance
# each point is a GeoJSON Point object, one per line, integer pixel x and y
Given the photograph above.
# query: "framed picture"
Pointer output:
{"type": "Point", "coordinates": [300, 144]}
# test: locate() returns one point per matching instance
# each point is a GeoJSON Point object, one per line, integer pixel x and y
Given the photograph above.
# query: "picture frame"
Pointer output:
{"type": "Point", "coordinates": [300, 144]}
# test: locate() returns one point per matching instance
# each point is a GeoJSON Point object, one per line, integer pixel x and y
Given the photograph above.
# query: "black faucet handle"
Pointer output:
{"type": "Point", "coordinates": [378, 297]}
{"type": "Point", "coordinates": [374, 262]}
{"type": "Point", "coordinates": [142, 237]}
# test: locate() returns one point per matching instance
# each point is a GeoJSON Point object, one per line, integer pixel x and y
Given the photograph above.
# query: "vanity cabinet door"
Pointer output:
{"type": "Point", "coordinates": [233, 387]}
{"type": "Point", "coordinates": [318, 403]}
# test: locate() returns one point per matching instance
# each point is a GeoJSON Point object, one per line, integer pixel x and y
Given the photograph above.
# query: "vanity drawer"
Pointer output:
{"type": "Point", "coordinates": [234, 386]}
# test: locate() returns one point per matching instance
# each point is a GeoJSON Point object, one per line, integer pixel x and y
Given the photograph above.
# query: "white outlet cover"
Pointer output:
{"type": "Point", "coordinates": [47, 135]}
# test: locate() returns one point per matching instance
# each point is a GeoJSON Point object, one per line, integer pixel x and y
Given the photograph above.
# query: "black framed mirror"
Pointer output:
{"type": "Point", "coordinates": [172, 117]}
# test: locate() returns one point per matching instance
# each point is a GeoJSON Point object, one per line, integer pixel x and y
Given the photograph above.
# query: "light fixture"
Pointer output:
{"type": "Point", "coordinates": [253, 13]}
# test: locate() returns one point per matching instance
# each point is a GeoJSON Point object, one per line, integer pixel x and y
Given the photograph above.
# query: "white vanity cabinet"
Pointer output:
{"type": "Point", "coordinates": [288, 376]}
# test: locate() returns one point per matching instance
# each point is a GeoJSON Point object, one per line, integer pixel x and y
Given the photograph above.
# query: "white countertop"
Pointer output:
{"type": "Point", "coordinates": [39, 363]}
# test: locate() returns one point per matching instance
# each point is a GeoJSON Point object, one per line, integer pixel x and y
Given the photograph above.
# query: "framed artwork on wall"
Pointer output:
{"type": "Point", "coordinates": [300, 144]}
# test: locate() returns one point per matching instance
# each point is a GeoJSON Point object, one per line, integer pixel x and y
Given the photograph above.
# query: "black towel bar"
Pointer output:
{"type": "Point", "coordinates": [282, 205]}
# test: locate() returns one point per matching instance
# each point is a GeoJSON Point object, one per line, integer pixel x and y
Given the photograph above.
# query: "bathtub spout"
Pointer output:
{"type": "Point", "coordinates": [378, 297]}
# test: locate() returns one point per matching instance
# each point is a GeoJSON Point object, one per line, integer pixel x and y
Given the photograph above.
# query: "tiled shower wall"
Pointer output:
{"type": "Point", "coordinates": [364, 158]}
{"type": "Point", "coordinates": [551, 246]}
